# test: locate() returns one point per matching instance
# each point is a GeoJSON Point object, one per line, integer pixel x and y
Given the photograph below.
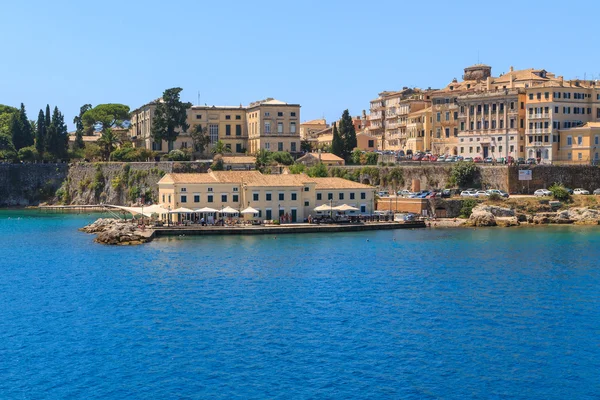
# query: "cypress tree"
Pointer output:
{"type": "Point", "coordinates": [16, 132]}
{"type": "Point", "coordinates": [57, 135]}
{"type": "Point", "coordinates": [337, 144]}
{"type": "Point", "coordinates": [26, 131]}
{"type": "Point", "coordinates": [348, 135]}
{"type": "Point", "coordinates": [47, 115]}
{"type": "Point", "coordinates": [40, 134]}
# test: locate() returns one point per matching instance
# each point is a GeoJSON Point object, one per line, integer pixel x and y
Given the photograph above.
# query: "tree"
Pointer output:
{"type": "Point", "coordinates": [337, 144]}
{"type": "Point", "coordinates": [317, 171]}
{"type": "Point", "coordinates": [40, 133]}
{"type": "Point", "coordinates": [57, 135]}
{"type": "Point", "coordinates": [20, 129]}
{"type": "Point", "coordinates": [14, 127]}
{"type": "Point", "coordinates": [47, 117]}
{"type": "Point", "coordinates": [297, 169]}
{"type": "Point", "coordinates": [108, 141]}
{"type": "Point", "coordinates": [263, 159]}
{"type": "Point", "coordinates": [559, 192]}
{"type": "Point", "coordinates": [7, 150]}
{"type": "Point", "coordinates": [169, 116]}
{"type": "Point", "coordinates": [396, 178]}
{"type": "Point", "coordinates": [356, 153]}
{"type": "Point", "coordinates": [200, 138]}
{"type": "Point", "coordinates": [80, 127]}
{"type": "Point", "coordinates": [106, 115]}
{"type": "Point", "coordinates": [5, 114]}
{"type": "Point", "coordinates": [282, 157]}
{"type": "Point", "coordinates": [348, 135]}
{"type": "Point", "coordinates": [220, 148]}
{"type": "Point", "coordinates": [463, 174]}
{"type": "Point", "coordinates": [305, 146]}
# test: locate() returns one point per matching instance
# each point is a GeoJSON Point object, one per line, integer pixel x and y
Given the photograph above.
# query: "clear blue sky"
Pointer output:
{"type": "Point", "coordinates": [325, 55]}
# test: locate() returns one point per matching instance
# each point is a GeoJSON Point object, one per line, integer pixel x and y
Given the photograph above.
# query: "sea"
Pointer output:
{"type": "Point", "coordinates": [485, 313]}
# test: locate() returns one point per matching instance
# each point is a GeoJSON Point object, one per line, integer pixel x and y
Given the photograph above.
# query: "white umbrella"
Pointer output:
{"type": "Point", "coordinates": [345, 207]}
{"type": "Point", "coordinates": [156, 208]}
{"type": "Point", "coordinates": [228, 210]}
{"type": "Point", "coordinates": [249, 210]}
{"type": "Point", "coordinates": [181, 210]}
{"type": "Point", "coordinates": [323, 207]}
{"type": "Point", "coordinates": [134, 210]}
{"type": "Point", "coordinates": [206, 210]}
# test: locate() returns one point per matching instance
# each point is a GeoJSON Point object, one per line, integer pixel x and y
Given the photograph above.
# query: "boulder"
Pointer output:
{"type": "Point", "coordinates": [507, 221]}
{"type": "Point", "coordinates": [116, 232]}
{"type": "Point", "coordinates": [496, 211]}
{"type": "Point", "coordinates": [481, 218]}
{"type": "Point", "coordinates": [582, 215]}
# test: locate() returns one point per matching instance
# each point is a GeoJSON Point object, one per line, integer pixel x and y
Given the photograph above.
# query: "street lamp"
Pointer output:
{"type": "Point", "coordinates": [169, 216]}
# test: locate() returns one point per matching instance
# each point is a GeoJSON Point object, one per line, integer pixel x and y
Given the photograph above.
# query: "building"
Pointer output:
{"type": "Point", "coordinates": [271, 195]}
{"type": "Point", "coordinates": [308, 129]}
{"type": "Point", "coordinates": [266, 124]}
{"type": "Point", "coordinates": [579, 145]}
{"type": "Point", "coordinates": [328, 159]}
{"type": "Point", "coordinates": [366, 142]}
{"type": "Point", "coordinates": [418, 128]}
{"type": "Point", "coordinates": [239, 162]}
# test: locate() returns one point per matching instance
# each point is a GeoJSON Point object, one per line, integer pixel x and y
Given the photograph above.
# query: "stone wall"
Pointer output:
{"type": "Point", "coordinates": [29, 184]}
{"type": "Point", "coordinates": [543, 176]}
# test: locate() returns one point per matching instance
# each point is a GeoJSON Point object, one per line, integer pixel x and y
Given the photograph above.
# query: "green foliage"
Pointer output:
{"type": "Point", "coordinates": [217, 165]}
{"type": "Point", "coordinates": [317, 171]}
{"type": "Point", "coordinates": [105, 115]}
{"type": "Point", "coordinates": [220, 148]}
{"type": "Point", "coordinates": [62, 195]}
{"type": "Point", "coordinates": [559, 192]}
{"type": "Point", "coordinates": [463, 174]}
{"type": "Point", "coordinates": [177, 155]}
{"type": "Point", "coordinates": [170, 115]}
{"type": "Point", "coordinates": [297, 169]}
{"type": "Point", "coordinates": [395, 177]}
{"type": "Point", "coordinates": [92, 152]}
{"type": "Point", "coordinates": [348, 135]}
{"type": "Point", "coordinates": [372, 158]}
{"type": "Point", "coordinates": [57, 136]}
{"type": "Point", "coordinates": [467, 207]}
{"type": "Point", "coordinates": [98, 183]}
{"type": "Point", "coordinates": [80, 127]}
{"type": "Point", "coordinates": [305, 146]}
{"type": "Point", "coordinates": [130, 154]}
{"type": "Point", "coordinates": [7, 150]}
{"type": "Point", "coordinates": [337, 143]}
{"type": "Point", "coordinates": [29, 154]}
{"type": "Point", "coordinates": [40, 133]}
{"type": "Point", "coordinates": [200, 138]}
{"type": "Point", "coordinates": [108, 141]}
{"type": "Point", "coordinates": [6, 113]}
{"type": "Point", "coordinates": [76, 154]}
{"type": "Point", "coordinates": [263, 159]}
{"type": "Point", "coordinates": [494, 197]}
{"type": "Point", "coordinates": [282, 157]}
{"type": "Point", "coordinates": [20, 129]}
{"type": "Point", "coordinates": [355, 158]}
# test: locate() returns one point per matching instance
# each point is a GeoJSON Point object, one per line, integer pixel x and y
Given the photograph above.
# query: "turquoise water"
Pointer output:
{"type": "Point", "coordinates": [423, 314]}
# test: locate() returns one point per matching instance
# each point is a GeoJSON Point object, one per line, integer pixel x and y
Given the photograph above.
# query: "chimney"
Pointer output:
{"type": "Point", "coordinates": [560, 80]}
{"type": "Point", "coordinates": [512, 82]}
{"type": "Point", "coordinates": [364, 114]}
{"type": "Point", "coordinates": [511, 68]}
{"type": "Point", "coordinates": [488, 82]}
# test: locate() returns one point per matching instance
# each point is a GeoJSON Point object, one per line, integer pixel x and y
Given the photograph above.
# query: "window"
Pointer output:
{"type": "Point", "coordinates": [569, 141]}
{"type": "Point", "coordinates": [228, 147]}
{"type": "Point", "coordinates": [268, 214]}
{"type": "Point", "coordinates": [280, 146]}
{"type": "Point", "coordinates": [236, 198]}
{"type": "Point", "coordinates": [294, 196]}
{"type": "Point", "coordinates": [224, 198]}
{"type": "Point", "coordinates": [228, 117]}
{"type": "Point", "coordinates": [351, 196]}
{"type": "Point", "coordinates": [280, 128]}
{"type": "Point", "coordinates": [238, 148]}
{"type": "Point", "coordinates": [293, 147]}
{"type": "Point", "coordinates": [569, 156]}
{"type": "Point", "coordinates": [292, 127]}
{"type": "Point", "coordinates": [438, 117]}
{"type": "Point", "coordinates": [363, 195]}
{"type": "Point", "coordinates": [447, 116]}
{"type": "Point", "coordinates": [462, 150]}
{"type": "Point", "coordinates": [196, 198]}
{"type": "Point", "coordinates": [280, 114]}
{"type": "Point", "coordinates": [329, 196]}
{"type": "Point", "coordinates": [238, 130]}
{"type": "Point", "coordinates": [596, 138]}
{"type": "Point", "coordinates": [341, 196]}
{"type": "Point", "coordinates": [306, 203]}
{"type": "Point", "coordinates": [209, 198]}
{"type": "Point", "coordinates": [447, 132]}
{"type": "Point", "coordinates": [292, 114]}
{"type": "Point", "coordinates": [281, 196]}
{"type": "Point", "coordinates": [213, 133]}
{"type": "Point", "coordinates": [267, 146]}
{"type": "Point", "coordinates": [254, 196]}
{"type": "Point", "coordinates": [371, 143]}
{"type": "Point", "coordinates": [267, 114]}
{"type": "Point", "coordinates": [227, 130]}
{"type": "Point", "coordinates": [268, 196]}
{"type": "Point", "coordinates": [157, 146]}
{"type": "Point", "coordinates": [183, 189]}
{"type": "Point", "coordinates": [198, 116]}
{"type": "Point", "coordinates": [319, 196]}
{"type": "Point", "coordinates": [238, 117]}
{"type": "Point", "coordinates": [267, 127]}
{"type": "Point", "coordinates": [363, 208]}
{"type": "Point", "coordinates": [163, 197]}
{"type": "Point", "coordinates": [579, 140]}
{"type": "Point", "coordinates": [470, 149]}
{"type": "Point", "coordinates": [183, 198]}
{"type": "Point", "coordinates": [306, 188]}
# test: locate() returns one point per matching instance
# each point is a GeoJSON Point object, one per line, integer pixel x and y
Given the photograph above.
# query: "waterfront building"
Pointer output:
{"type": "Point", "coordinates": [329, 159]}
{"type": "Point", "coordinates": [579, 145]}
{"type": "Point", "coordinates": [266, 124]}
{"type": "Point", "coordinates": [271, 195]}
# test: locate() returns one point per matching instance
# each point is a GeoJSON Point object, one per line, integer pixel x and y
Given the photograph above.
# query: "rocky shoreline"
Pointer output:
{"type": "Point", "coordinates": [118, 232]}
{"type": "Point", "coordinates": [490, 215]}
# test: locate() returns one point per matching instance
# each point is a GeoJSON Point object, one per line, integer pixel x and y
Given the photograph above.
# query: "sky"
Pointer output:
{"type": "Point", "coordinates": [327, 56]}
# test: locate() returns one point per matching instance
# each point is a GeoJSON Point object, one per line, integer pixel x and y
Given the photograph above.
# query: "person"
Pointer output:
{"type": "Point", "coordinates": [309, 218]}
{"type": "Point", "coordinates": [202, 221]}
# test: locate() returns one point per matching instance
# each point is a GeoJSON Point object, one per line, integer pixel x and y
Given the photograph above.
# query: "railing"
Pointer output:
{"type": "Point", "coordinates": [539, 115]}
{"type": "Point", "coordinates": [537, 131]}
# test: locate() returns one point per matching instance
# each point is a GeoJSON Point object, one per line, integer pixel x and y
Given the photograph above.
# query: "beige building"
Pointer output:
{"type": "Point", "coordinates": [328, 159]}
{"type": "Point", "coordinates": [308, 129]}
{"type": "Point", "coordinates": [579, 145]}
{"type": "Point", "coordinates": [267, 124]}
{"type": "Point", "coordinates": [272, 195]}
{"type": "Point", "coordinates": [366, 142]}
{"type": "Point", "coordinates": [418, 127]}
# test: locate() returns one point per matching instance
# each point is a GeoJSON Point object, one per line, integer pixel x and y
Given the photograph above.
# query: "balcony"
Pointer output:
{"type": "Point", "coordinates": [538, 131]}
{"type": "Point", "coordinates": [538, 116]}
{"type": "Point", "coordinates": [374, 117]}
{"type": "Point", "coordinates": [513, 111]}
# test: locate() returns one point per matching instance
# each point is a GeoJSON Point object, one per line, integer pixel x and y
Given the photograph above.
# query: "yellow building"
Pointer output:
{"type": "Point", "coordinates": [418, 127]}
{"type": "Point", "coordinates": [328, 159]}
{"type": "Point", "coordinates": [272, 195]}
{"type": "Point", "coordinates": [579, 145]}
{"type": "Point", "coordinates": [366, 142]}
{"type": "Point", "coordinates": [273, 125]}
{"type": "Point", "coordinates": [308, 129]}
{"type": "Point", "coordinates": [223, 123]}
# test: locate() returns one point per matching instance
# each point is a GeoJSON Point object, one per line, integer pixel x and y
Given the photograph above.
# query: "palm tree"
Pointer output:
{"type": "Point", "coordinates": [220, 148]}
{"type": "Point", "coordinates": [109, 141]}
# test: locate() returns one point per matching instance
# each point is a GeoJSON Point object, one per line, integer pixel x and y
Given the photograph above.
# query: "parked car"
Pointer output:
{"type": "Point", "coordinates": [468, 159]}
{"type": "Point", "coordinates": [383, 193]}
{"type": "Point", "coordinates": [520, 160]}
{"type": "Point", "coordinates": [441, 158]}
{"type": "Point", "coordinates": [481, 193]}
{"type": "Point", "coordinates": [597, 192]}
{"type": "Point", "coordinates": [477, 159]}
{"type": "Point", "coordinates": [542, 192]}
{"type": "Point", "coordinates": [448, 193]}
{"type": "Point", "coordinates": [433, 158]}
{"type": "Point", "coordinates": [531, 161]}
{"type": "Point", "coordinates": [500, 193]}
{"type": "Point", "coordinates": [450, 159]}
{"type": "Point", "coordinates": [424, 194]}
{"type": "Point", "coordinates": [581, 191]}
{"type": "Point", "coordinates": [488, 160]}
{"type": "Point", "coordinates": [468, 193]}
{"type": "Point", "coordinates": [570, 191]}
{"type": "Point", "coordinates": [404, 193]}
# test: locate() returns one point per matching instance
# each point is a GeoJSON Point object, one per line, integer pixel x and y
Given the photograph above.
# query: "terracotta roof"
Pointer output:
{"type": "Point", "coordinates": [339, 183]}
{"type": "Point", "coordinates": [523, 75]}
{"type": "Point", "coordinates": [321, 121]}
{"type": "Point", "coordinates": [235, 176]}
{"type": "Point", "coordinates": [281, 180]}
{"type": "Point", "coordinates": [238, 160]}
{"type": "Point", "coordinates": [324, 157]}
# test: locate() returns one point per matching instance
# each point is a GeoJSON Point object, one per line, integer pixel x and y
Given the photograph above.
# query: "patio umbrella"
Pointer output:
{"type": "Point", "coordinates": [323, 207]}
{"type": "Point", "coordinates": [249, 210]}
{"type": "Point", "coordinates": [156, 208]}
{"type": "Point", "coordinates": [345, 207]}
{"type": "Point", "coordinates": [181, 210]}
{"type": "Point", "coordinates": [228, 210]}
{"type": "Point", "coordinates": [206, 210]}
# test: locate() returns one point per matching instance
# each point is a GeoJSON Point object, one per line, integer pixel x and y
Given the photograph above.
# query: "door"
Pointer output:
{"type": "Point", "coordinates": [294, 212]}
{"type": "Point", "coordinates": [485, 151]}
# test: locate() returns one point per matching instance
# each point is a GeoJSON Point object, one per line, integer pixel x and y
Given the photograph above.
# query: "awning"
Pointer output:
{"type": "Point", "coordinates": [156, 208]}
{"type": "Point", "coordinates": [345, 207]}
{"type": "Point", "coordinates": [323, 207]}
{"type": "Point", "coordinates": [181, 210]}
{"type": "Point", "coordinates": [249, 210]}
{"type": "Point", "coordinates": [228, 210]}
{"type": "Point", "coordinates": [206, 210]}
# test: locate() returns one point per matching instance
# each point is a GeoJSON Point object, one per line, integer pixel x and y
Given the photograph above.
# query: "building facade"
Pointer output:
{"type": "Point", "coordinates": [273, 125]}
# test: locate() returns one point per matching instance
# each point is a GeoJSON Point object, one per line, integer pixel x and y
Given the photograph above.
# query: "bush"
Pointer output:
{"type": "Point", "coordinates": [494, 197]}
{"type": "Point", "coordinates": [559, 192]}
{"type": "Point", "coordinates": [355, 157]}
{"type": "Point", "coordinates": [463, 174]}
{"type": "Point", "coordinates": [371, 158]}
{"type": "Point", "coordinates": [217, 164]}
{"type": "Point", "coordinates": [28, 154]}
{"type": "Point", "coordinates": [297, 169]}
{"type": "Point", "coordinates": [467, 207]}
{"type": "Point", "coordinates": [92, 151]}
{"type": "Point", "coordinates": [131, 154]}
{"type": "Point", "coordinates": [282, 157]}
{"type": "Point", "coordinates": [317, 171]}
{"type": "Point", "coordinates": [76, 154]}
{"type": "Point", "coordinates": [177, 155]}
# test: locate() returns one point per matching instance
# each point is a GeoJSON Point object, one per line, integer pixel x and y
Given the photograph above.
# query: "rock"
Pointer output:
{"type": "Point", "coordinates": [496, 211]}
{"type": "Point", "coordinates": [582, 215]}
{"type": "Point", "coordinates": [116, 232]}
{"type": "Point", "coordinates": [481, 218]}
{"type": "Point", "coordinates": [507, 221]}
{"type": "Point", "coordinates": [541, 219]}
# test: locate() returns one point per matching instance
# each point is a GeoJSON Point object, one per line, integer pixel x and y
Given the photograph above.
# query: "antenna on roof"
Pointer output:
{"type": "Point", "coordinates": [198, 97]}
